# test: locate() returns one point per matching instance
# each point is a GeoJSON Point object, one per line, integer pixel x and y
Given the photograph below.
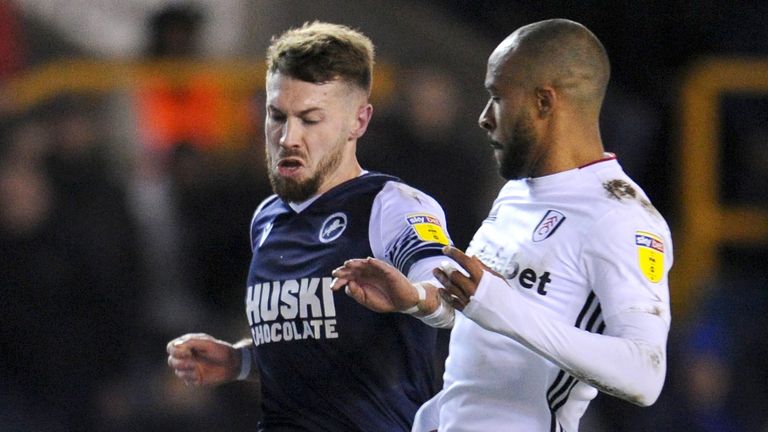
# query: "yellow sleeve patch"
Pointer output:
{"type": "Point", "coordinates": [650, 253]}
{"type": "Point", "coordinates": [428, 228]}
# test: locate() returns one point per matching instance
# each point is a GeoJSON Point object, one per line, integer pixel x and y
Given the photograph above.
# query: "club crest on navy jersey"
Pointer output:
{"type": "Point", "coordinates": [548, 225]}
{"type": "Point", "coordinates": [333, 227]}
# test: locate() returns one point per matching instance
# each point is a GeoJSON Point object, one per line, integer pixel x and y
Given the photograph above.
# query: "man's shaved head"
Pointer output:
{"type": "Point", "coordinates": [546, 83]}
{"type": "Point", "coordinates": [557, 52]}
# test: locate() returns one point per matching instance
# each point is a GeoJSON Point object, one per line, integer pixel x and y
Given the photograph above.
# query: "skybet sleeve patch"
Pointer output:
{"type": "Point", "coordinates": [650, 253]}
{"type": "Point", "coordinates": [427, 228]}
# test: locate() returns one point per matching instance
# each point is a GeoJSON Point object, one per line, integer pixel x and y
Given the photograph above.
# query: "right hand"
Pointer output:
{"type": "Point", "coordinates": [459, 287]}
{"type": "Point", "coordinates": [200, 359]}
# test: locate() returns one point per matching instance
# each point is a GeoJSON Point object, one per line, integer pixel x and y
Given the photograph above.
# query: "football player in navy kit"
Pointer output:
{"type": "Point", "coordinates": [564, 287]}
{"type": "Point", "coordinates": [326, 363]}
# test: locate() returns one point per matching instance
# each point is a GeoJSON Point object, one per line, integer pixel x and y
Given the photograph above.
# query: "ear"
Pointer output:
{"type": "Point", "coordinates": [546, 100]}
{"type": "Point", "coordinates": [362, 119]}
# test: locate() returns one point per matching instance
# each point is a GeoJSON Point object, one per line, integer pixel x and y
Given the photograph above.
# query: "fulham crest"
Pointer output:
{"type": "Point", "coordinates": [333, 227]}
{"type": "Point", "coordinates": [548, 225]}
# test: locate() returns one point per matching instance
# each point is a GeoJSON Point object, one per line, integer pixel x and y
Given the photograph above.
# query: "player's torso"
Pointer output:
{"type": "Point", "coordinates": [534, 240]}
{"type": "Point", "coordinates": [289, 296]}
{"type": "Point", "coordinates": [535, 244]}
{"type": "Point", "coordinates": [320, 352]}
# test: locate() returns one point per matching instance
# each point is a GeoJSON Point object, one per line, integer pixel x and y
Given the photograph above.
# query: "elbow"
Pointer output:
{"type": "Point", "coordinates": [644, 397]}
{"type": "Point", "coordinates": [649, 390]}
{"type": "Point", "coordinates": [640, 393]}
{"type": "Point", "coordinates": [646, 400]}
{"type": "Point", "coordinates": [648, 384]}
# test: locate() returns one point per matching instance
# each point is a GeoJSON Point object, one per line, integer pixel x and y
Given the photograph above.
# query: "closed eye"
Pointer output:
{"type": "Point", "coordinates": [276, 116]}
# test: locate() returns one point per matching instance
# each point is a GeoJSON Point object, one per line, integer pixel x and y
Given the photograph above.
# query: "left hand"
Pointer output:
{"type": "Point", "coordinates": [459, 288]}
{"type": "Point", "coordinates": [378, 285]}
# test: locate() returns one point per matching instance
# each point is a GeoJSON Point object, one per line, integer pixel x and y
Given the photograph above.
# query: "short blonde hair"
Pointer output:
{"type": "Point", "coordinates": [320, 52]}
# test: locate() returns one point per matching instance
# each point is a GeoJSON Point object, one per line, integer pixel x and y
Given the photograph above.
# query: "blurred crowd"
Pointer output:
{"type": "Point", "coordinates": [108, 252]}
{"type": "Point", "coordinates": [110, 246]}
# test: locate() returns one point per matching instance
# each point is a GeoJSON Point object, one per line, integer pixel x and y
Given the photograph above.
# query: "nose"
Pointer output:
{"type": "Point", "coordinates": [486, 117]}
{"type": "Point", "coordinates": [290, 134]}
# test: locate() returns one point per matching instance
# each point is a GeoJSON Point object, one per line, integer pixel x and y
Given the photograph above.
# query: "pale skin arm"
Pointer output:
{"type": "Point", "coordinates": [381, 287]}
{"type": "Point", "coordinates": [202, 360]}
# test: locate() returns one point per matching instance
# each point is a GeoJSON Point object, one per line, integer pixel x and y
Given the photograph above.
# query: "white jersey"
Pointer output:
{"type": "Point", "coordinates": [581, 251]}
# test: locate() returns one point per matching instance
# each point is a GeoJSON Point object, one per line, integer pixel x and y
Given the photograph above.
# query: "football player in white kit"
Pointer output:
{"type": "Point", "coordinates": [563, 290]}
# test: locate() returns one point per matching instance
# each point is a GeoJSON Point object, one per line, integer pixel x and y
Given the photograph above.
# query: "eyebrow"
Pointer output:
{"type": "Point", "coordinates": [300, 113]}
{"type": "Point", "coordinates": [309, 110]}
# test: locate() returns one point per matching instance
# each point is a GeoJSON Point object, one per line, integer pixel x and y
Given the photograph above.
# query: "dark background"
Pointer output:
{"type": "Point", "coordinates": [114, 241]}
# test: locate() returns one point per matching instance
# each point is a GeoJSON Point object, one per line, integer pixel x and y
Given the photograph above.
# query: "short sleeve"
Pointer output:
{"type": "Point", "coordinates": [628, 256]}
{"type": "Point", "coordinates": [406, 226]}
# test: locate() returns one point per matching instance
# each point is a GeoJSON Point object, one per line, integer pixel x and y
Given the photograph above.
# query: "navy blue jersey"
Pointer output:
{"type": "Point", "coordinates": [327, 363]}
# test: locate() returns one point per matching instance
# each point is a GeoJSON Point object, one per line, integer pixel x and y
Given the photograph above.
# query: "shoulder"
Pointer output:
{"type": "Point", "coordinates": [270, 200]}
{"type": "Point", "coordinates": [268, 203]}
{"type": "Point", "coordinates": [619, 200]}
{"type": "Point", "coordinates": [636, 227]}
{"type": "Point", "coordinates": [356, 190]}
{"type": "Point", "coordinates": [629, 230]}
{"type": "Point", "coordinates": [398, 194]}
{"type": "Point", "coordinates": [267, 206]}
{"type": "Point", "coordinates": [406, 226]}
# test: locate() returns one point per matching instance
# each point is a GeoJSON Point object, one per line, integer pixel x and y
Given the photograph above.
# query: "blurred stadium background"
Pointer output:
{"type": "Point", "coordinates": [131, 160]}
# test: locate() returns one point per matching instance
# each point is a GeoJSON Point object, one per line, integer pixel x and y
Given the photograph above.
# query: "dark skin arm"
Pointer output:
{"type": "Point", "coordinates": [459, 288]}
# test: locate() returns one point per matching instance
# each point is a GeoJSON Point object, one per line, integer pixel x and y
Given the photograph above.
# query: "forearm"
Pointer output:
{"type": "Point", "coordinates": [629, 362]}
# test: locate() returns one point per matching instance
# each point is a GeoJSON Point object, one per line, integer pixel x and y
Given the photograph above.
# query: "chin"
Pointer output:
{"type": "Point", "coordinates": [512, 172]}
{"type": "Point", "coordinates": [292, 189]}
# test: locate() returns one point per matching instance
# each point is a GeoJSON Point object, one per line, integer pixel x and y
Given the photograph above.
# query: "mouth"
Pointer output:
{"type": "Point", "coordinates": [290, 166]}
{"type": "Point", "coordinates": [495, 145]}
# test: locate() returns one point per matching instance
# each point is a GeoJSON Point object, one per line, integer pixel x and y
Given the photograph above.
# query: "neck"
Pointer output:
{"type": "Point", "coordinates": [570, 144]}
{"type": "Point", "coordinates": [345, 172]}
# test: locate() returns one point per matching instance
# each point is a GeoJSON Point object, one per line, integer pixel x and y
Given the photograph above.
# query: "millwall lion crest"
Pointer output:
{"type": "Point", "coordinates": [333, 227]}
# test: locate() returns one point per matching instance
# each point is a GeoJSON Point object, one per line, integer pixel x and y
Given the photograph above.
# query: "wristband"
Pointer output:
{"type": "Point", "coordinates": [442, 317]}
{"type": "Point", "coordinates": [245, 362]}
{"type": "Point", "coordinates": [422, 296]}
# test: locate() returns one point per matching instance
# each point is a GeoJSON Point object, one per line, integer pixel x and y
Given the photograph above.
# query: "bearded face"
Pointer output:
{"type": "Point", "coordinates": [516, 153]}
{"type": "Point", "coordinates": [300, 188]}
{"type": "Point", "coordinates": [307, 131]}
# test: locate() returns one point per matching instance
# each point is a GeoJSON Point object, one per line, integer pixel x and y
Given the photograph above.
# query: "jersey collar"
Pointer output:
{"type": "Point", "coordinates": [298, 207]}
{"type": "Point", "coordinates": [606, 157]}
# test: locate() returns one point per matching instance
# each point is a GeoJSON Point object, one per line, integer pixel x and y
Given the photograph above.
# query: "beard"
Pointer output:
{"type": "Point", "coordinates": [516, 153]}
{"type": "Point", "coordinates": [295, 190]}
